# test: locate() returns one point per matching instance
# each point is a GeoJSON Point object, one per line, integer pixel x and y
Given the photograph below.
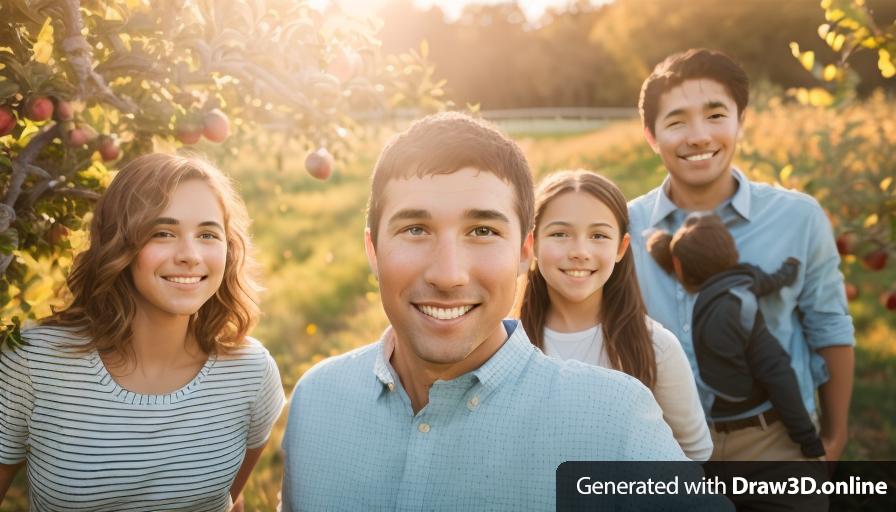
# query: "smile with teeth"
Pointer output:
{"type": "Point", "coordinates": [183, 279]}
{"type": "Point", "coordinates": [699, 157]}
{"type": "Point", "coordinates": [577, 273]}
{"type": "Point", "coordinates": [444, 313]}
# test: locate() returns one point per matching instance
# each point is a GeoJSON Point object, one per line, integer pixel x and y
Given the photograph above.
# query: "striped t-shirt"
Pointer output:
{"type": "Point", "coordinates": [91, 445]}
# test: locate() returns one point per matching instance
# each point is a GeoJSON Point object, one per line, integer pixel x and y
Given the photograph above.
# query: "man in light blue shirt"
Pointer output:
{"type": "Point", "coordinates": [692, 107]}
{"type": "Point", "coordinates": [454, 409]}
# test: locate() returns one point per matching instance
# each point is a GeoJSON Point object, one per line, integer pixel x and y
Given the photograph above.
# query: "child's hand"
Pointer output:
{"type": "Point", "coordinates": [790, 270]}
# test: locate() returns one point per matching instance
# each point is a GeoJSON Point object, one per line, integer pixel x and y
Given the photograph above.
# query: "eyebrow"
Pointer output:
{"type": "Point", "coordinates": [174, 222]}
{"type": "Point", "coordinates": [567, 224]}
{"type": "Point", "coordinates": [709, 105]}
{"type": "Point", "coordinates": [473, 213]}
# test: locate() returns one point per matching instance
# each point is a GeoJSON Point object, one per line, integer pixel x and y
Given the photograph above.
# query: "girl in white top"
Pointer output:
{"type": "Point", "coordinates": [582, 300]}
{"type": "Point", "coordinates": [145, 392]}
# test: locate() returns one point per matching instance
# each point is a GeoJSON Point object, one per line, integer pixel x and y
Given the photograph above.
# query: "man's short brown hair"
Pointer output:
{"type": "Point", "coordinates": [693, 64]}
{"type": "Point", "coordinates": [445, 143]}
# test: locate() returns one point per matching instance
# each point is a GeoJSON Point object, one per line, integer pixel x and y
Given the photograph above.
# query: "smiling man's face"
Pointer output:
{"type": "Point", "coordinates": [448, 254]}
{"type": "Point", "coordinates": [696, 132]}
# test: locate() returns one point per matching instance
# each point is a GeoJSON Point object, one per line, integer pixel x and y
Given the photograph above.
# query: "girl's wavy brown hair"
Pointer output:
{"type": "Point", "coordinates": [623, 315]}
{"type": "Point", "coordinates": [102, 304]}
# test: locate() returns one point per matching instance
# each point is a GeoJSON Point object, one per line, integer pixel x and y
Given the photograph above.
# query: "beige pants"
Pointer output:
{"type": "Point", "coordinates": [755, 443]}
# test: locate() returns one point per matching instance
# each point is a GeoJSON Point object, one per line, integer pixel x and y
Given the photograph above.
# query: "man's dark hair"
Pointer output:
{"type": "Point", "coordinates": [693, 64]}
{"type": "Point", "coordinates": [445, 143]}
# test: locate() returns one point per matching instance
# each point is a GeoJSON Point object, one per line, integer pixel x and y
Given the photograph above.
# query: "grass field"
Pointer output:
{"type": "Point", "coordinates": [321, 299]}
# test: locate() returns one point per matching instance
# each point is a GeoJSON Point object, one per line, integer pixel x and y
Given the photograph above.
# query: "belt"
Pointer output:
{"type": "Point", "coordinates": [760, 420]}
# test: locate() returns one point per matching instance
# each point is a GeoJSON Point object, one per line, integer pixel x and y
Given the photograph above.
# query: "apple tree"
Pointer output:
{"type": "Point", "coordinates": [844, 154]}
{"type": "Point", "coordinates": [86, 86]}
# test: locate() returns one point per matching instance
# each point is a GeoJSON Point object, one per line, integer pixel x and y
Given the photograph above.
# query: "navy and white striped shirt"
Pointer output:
{"type": "Point", "coordinates": [91, 445]}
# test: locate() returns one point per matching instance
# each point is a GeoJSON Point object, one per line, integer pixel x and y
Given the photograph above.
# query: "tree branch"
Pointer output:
{"type": "Point", "coordinates": [90, 83]}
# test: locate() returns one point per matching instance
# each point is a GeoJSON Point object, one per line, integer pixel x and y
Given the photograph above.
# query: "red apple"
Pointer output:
{"type": "Point", "coordinates": [109, 149]}
{"type": "Point", "coordinates": [216, 126]}
{"type": "Point", "coordinates": [189, 133]}
{"type": "Point", "coordinates": [64, 111]}
{"type": "Point", "coordinates": [39, 108]}
{"type": "Point", "coordinates": [876, 260]}
{"type": "Point", "coordinates": [319, 163]}
{"type": "Point", "coordinates": [846, 243]}
{"type": "Point", "coordinates": [7, 120]}
{"type": "Point", "coordinates": [345, 65]}
{"type": "Point", "coordinates": [56, 234]}
{"type": "Point", "coordinates": [852, 292]}
{"type": "Point", "coordinates": [888, 300]}
{"type": "Point", "coordinates": [79, 135]}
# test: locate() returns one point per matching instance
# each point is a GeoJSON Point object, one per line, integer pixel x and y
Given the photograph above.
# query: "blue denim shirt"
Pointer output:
{"type": "Point", "coordinates": [490, 439]}
{"type": "Point", "coordinates": [769, 224]}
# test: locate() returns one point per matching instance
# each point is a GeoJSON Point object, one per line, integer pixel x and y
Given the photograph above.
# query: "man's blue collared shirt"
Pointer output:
{"type": "Point", "coordinates": [769, 225]}
{"type": "Point", "coordinates": [490, 439]}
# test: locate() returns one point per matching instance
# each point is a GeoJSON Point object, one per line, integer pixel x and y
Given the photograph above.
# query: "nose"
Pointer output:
{"type": "Point", "coordinates": [188, 252]}
{"type": "Point", "coordinates": [698, 134]}
{"type": "Point", "coordinates": [579, 250]}
{"type": "Point", "coordinates": [448, 266]}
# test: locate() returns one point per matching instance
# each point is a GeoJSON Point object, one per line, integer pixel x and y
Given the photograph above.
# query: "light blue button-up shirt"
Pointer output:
{"type": "Point", "coordinates": [768, 224]}
{"type": "Point", "coordinates": [490, 439]}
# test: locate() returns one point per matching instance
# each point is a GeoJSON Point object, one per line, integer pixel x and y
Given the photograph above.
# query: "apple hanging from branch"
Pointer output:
{"type": "Point", "coordinates": [319, 163]}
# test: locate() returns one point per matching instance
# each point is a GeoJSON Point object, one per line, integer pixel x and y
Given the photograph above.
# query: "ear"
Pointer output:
{"type": "Point", "coordinates": [527, 253]}
{"type": "Point", "coordinates": [623, 246]}
{"type": "Point", "coordinates": [371, 252]}
{"type": "Point", "coordinates": [651, 140]}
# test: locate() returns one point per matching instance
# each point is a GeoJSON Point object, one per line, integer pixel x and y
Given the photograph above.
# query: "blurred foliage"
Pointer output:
{"type": "Point", "coordinates": [87, 86]}
{"type": "Point", "coordinates": [598, 55]}
{"type": "Point", "coordinates": [845, 157]}
{"type": "Point", "coordinates": [849, 28]}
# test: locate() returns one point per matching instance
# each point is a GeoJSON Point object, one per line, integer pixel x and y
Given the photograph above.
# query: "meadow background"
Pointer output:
{"type": "Point", "coordinates": [321, 298]}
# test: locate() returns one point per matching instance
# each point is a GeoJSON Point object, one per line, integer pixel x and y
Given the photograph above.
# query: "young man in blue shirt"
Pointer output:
{"type": "Point", "coordinates": [692, 107]}
{"type": "Point", "coordinates": [454, 409]}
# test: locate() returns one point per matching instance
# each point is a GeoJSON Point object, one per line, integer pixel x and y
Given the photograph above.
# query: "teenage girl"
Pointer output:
{"type": "Point", "coordinates": [582, 300]}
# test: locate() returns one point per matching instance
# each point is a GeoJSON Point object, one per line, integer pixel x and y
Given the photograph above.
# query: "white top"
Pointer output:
{"type": "Point", "coordinates": [675, 389]}
{"type": "Point", "coordinates": [91, 445]}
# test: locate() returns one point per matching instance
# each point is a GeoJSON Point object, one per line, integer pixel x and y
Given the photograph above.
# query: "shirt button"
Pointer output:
{"type": "Point", "coordinates": [473, 403]}
{"type": "Point", "coordinates": [687, 328]}
{"type": "Point", "coordinates": [423, 427]}
{"type": "Point", "coordinates": [390, 386]}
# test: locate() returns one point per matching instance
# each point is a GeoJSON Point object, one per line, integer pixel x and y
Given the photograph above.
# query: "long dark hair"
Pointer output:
{"type": "Point", "coordinates": [623, 316]}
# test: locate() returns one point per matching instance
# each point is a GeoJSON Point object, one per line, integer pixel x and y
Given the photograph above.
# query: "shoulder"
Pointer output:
{"type": "Point", "coordinates": [250, 357]}
{"type": "Point", "coordinates": [54, 340]}
{"type": "Point", "coordinates": [343, 370]}
{"type": "Point", "coordinates": [575, 379]}
{"type": "Point", "coordinates": [664, 341]}
{"type": "Point", "coordinates": [793, 201]}
{"type": "Point", "coordinates": [640, 207]}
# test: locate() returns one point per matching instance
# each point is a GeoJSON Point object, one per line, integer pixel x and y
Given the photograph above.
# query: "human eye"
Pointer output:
{"type": "Point", "coordinates": [558, 234]}
{"type": "Point", "coordinates": [718, 115]}
{"type": "Point", "coordinates": [483, 231]}
{"type": "Point", "coordinates": [599, 236]}
{"type": "Point", "coordinates": [414, 230]}
{"type": "Point", "coordinates": [209, 235]}
{"type": "Point", "coordinates": [162, 234]}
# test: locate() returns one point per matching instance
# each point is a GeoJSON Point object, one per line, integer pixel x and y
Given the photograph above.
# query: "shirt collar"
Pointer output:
{"type": "Point", "coordinates": [507, 362]}
{"type": "Point", "coordinates": [740, 201]}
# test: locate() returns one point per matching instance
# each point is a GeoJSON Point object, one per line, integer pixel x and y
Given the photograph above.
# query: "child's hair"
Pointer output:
{"type": "Point", "coordinates": [702, 244]}
{"type": "Point", "coordinates": [103, 303]}
{"type": "Point", "coordinates": [623, 316]}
